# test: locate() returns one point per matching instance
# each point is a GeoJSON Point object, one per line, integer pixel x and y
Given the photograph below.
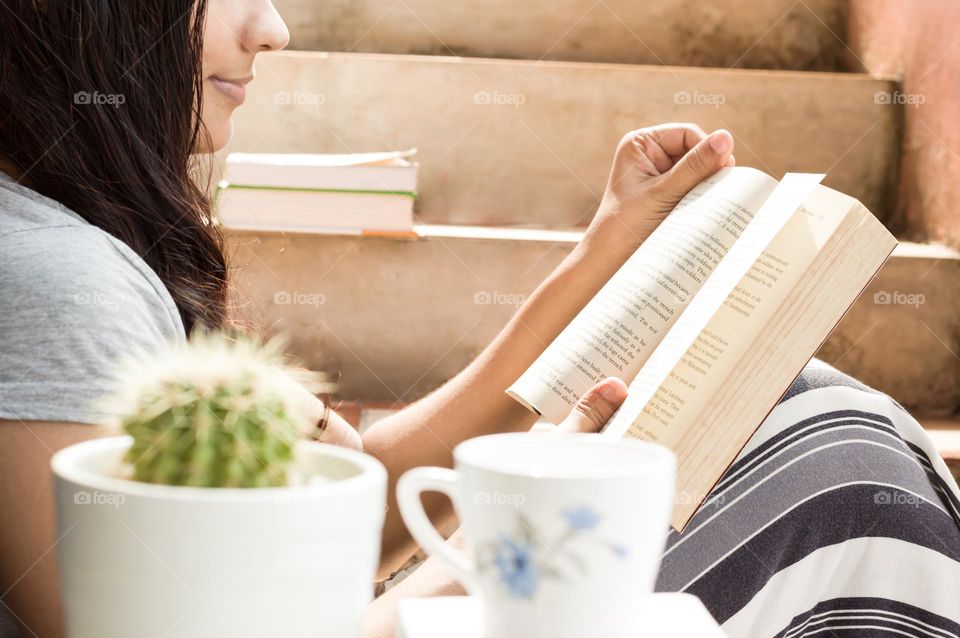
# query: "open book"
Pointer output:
{"type": "Point", "coordinates": [714, 316]}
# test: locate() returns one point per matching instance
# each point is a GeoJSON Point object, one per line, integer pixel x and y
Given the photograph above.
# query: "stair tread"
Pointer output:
{"type": "Point", "coordinates": [904, 249]}
{"type": "Point", "coordinates": [945, 433]}
{"type": "Point", "coordinates": [853, 76]}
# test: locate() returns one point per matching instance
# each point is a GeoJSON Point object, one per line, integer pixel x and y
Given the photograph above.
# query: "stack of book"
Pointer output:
{"type": "Point", "coordinates": [360, 193]}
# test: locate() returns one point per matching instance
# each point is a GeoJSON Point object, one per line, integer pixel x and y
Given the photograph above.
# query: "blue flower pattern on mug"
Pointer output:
{"type": "Point", "coordinates": [516, 567]}
{"type": "Point", "coordinates": [581, 518]}
{"type": "Point", "coordinates": [524, 558]}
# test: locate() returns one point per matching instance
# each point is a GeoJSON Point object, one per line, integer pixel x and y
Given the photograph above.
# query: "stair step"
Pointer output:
{"type": "Point", "coordinates": [506, 143]}
{"type": "Point", "coordinates": [397, 318]}
{"type": "Point", "coordinates": [777, 34]}
{"type": "Point", "coordinates": [945, 433]}
{"type": "Point", "coordinates": [903, 334]}
{"type": "Point", "coordinates": [946, 437]}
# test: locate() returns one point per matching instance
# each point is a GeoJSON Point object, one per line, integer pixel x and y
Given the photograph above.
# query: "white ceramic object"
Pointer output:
{"type": "Point", "coordinates": [566, 531]}
{"type": "Point", "coordinates": [145, 560]}
{"type": "Point", "coordinates": [662, 616]}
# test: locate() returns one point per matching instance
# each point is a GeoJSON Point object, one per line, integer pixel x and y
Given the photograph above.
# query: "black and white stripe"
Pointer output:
{"type": "Point", "coordinates": [874, 613]}
{"type": "Point", "coordinates": [837, 518]}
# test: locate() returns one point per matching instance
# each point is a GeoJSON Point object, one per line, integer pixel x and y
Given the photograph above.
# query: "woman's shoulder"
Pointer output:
{"type": "Point", "coordinates": [75, 299]}
{"type": "Point", "coordinates": [54, 256]}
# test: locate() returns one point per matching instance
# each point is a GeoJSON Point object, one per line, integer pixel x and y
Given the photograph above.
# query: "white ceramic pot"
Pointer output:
{"type": "Point", "coordinates": [145, 560]}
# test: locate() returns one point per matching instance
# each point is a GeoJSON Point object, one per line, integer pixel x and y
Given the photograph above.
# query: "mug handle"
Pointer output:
{"type": "Point", "coordinates": [409, 488]}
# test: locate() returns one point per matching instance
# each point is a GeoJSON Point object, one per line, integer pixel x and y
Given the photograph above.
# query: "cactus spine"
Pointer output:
{"type": "Point", "coordinates": [215, 412]}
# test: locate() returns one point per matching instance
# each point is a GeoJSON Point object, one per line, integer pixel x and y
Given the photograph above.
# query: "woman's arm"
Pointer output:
{"type": "Point", "coordinates": [429, 580]}
{"type": "Point", "coordinates": [653, 169]}
{"type": "Point", "coordinates": [28, 537]}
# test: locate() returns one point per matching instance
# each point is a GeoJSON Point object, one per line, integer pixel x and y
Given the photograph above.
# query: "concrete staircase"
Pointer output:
{"type": "Point", "coordinates": [515, 144]}
{"type": "Point", "coordinates": [510, 142]}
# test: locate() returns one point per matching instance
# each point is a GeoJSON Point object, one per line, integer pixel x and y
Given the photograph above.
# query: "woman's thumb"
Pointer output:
{"type": "Point", "coordinates": [595, 407]}
{"type": "Point", "coordinates": [710, 155]}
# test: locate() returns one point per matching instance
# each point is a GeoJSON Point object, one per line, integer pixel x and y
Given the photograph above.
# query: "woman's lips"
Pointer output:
{"type": "Point", "coordinates": [233, 89]}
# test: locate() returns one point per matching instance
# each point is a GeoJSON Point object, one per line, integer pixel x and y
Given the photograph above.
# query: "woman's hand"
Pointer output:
{"type": "Point", "coordinates": [653, 169]}
{"type": "Point", "coordinates": [337, 431]}
{"type": "Point", "coordinates": [340, 432]}
{"type": "Point", "coordinates": [593, 410]}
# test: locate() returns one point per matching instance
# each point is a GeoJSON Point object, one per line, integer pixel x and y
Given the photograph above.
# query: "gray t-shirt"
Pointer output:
{"type": "Point", "coordinates": [73, 299]}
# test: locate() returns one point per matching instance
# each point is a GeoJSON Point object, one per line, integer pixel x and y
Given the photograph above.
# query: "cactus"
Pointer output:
{"type": "Point", "coordinates": [214, 412]}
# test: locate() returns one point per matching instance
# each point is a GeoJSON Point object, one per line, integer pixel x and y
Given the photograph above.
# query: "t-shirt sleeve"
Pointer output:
{"type": "Point", "coordinates": [73, 302]}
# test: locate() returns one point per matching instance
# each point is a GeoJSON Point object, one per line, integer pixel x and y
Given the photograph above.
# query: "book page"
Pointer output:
{"type": "Point", "coordinates": [619, 329]}
{"type": "Point", "coordinates": [707, 363]}
{"type": "Point", "coordinates": [767, 329]}
{"type": "Point", "coordinates": [386, 158]}
{"type": "Point", "coordinates": [781, 206]}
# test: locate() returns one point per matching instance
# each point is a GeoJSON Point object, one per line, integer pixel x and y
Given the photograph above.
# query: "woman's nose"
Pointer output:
{"type": "Point", "coordinates": [267, 31]}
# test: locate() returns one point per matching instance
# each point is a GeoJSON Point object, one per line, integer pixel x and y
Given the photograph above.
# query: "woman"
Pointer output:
{"type": "Point", "coordinates": [104, 109]}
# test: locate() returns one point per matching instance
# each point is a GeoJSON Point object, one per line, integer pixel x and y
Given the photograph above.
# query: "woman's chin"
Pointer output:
{"type": "Point", "coordinates": [216, 136]}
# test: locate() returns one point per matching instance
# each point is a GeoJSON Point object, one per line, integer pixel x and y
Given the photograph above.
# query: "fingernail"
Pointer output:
{"type": "Point", "coordinates": [611, 393]}
{"type": "Point", "coordinates": [721, 141]}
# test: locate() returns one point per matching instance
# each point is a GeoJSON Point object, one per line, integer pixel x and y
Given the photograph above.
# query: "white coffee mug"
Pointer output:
{"type": "Point", "coordinates": [565, 531]}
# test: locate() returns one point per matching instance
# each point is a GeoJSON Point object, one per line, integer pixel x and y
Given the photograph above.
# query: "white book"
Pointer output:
{"type": "Point", "coordinates": [392, 172]}
{"type": "Point", "coordinates": [353, 193]}
{"type": "Point", "coordinates": [244, 208]}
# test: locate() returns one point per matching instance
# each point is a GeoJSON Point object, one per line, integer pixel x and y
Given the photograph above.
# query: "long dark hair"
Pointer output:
{"type": "Point", "coordinates": [100, 105]}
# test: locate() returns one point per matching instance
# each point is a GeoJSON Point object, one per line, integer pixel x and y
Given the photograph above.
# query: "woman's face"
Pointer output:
{"type": "Point", "coordinates": [236, 30]}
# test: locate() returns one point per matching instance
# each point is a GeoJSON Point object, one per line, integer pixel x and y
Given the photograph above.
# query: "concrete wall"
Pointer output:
{"type": "Point", "coordinates": [769, 34]}
{"type": "Point", "coordinates": [918, 39]}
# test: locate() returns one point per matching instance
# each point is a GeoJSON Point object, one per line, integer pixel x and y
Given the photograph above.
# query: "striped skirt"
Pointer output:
{"type": "Point", "coordinates": [837, 519]}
